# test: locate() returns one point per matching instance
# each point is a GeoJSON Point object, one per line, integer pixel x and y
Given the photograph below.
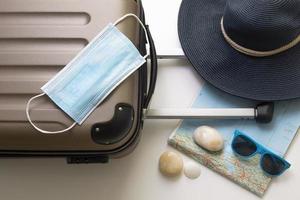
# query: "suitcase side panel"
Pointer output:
{"type": "Point", "coordinates": [31, 53]}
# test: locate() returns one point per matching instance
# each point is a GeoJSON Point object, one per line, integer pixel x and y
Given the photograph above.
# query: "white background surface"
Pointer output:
{"type": "Point", "coordinates": [136, 177]}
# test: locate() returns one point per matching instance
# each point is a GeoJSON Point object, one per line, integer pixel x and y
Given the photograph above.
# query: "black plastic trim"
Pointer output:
{"type": "Point", "coordinates": [117, 128]}
{"type": "Point", "coordinates": [87, 159]}
{"type": "Point", "coordinates": [153, 74]}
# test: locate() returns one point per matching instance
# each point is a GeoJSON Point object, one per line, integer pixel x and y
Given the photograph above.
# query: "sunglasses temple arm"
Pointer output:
{"type": "Point", "coordinates": [262, 113]}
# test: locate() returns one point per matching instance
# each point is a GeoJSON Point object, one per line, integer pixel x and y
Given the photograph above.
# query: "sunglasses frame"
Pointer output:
{"type": "Point", "coordinates": [259, 150]}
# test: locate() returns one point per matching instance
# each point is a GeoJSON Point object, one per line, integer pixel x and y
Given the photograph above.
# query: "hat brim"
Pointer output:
{"type": "Point", "coordinates": [270, 78]}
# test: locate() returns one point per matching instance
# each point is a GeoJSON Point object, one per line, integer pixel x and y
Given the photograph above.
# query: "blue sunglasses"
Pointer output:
{"type": "Point", "coordinates": [246, 147]}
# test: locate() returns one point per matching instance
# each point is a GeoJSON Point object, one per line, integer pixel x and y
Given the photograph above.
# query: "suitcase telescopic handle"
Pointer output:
{"type": "Point", "coordinates": [262, 113]}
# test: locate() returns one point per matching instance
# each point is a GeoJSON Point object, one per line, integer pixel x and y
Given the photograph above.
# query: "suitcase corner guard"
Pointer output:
{"type": "Point", "coordinates": [117, 128]}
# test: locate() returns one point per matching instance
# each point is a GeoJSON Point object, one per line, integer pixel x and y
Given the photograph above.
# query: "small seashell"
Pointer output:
{"type": "Point", "coordinates": [170, 163]}
{"type": "Point", "coordinates": [208, 138]}
{"type": "Point", "coordinates": [192, 170]}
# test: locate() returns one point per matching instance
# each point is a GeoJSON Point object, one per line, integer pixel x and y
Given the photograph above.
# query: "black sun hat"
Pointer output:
{"type": "Point", "coordinates": [248, 48]}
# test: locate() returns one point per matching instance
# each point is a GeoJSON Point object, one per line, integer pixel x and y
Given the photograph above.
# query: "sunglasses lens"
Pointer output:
{"type": "Point", "coordinates": [243, 146]}
{"type": "Point", "coordinates": [272, 165]}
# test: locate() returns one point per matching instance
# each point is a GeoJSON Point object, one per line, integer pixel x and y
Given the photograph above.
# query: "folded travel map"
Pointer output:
{"type": "Point", "coordinates": [277, 136]}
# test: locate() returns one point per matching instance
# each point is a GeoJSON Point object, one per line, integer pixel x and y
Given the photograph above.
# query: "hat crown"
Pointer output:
{"type": "Point", "coordinates": [262, 25]}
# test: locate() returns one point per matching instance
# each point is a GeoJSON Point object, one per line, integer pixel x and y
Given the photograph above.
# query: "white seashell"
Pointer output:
{"type": "Point", "coordinates": [208, 138]}
{"type": "Point", "coordinates": [170, 163]}
{"type": "Point", "coordinates": [192, 170]}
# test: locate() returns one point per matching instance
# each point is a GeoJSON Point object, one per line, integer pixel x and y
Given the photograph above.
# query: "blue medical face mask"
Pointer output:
{"type": "Point", "coordinates": [92, 75]}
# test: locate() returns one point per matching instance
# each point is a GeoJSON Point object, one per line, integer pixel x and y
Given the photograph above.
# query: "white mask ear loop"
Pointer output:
{"type": "Point", "coordinates": [140, 22]}
{"type": "Point", "coordinates": [39, 95]}
{"type": "Point", "coordinates": [37, 128]}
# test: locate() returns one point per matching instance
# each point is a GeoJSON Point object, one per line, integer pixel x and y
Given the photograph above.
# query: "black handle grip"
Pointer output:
{"type": "Point", "coordinates": [264, 112]}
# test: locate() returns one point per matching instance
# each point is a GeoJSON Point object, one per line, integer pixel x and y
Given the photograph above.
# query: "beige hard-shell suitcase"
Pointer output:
{"type": "Point", "coordinates": [37, 39]}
